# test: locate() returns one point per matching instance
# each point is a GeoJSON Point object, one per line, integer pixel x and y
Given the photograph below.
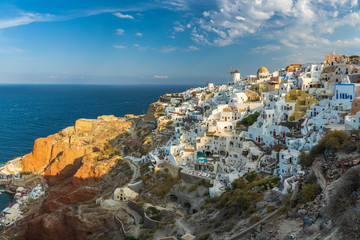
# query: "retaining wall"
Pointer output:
{"type": "Point", "coordinates": [148, 222]}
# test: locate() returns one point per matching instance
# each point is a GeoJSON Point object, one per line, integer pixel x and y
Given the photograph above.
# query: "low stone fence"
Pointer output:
{"type": "Point", "coordinates": [148, 222]}
{"type": "Point", "coordinates": [136, 186]}
{"type": "Point", "coordinates": [121, 225]}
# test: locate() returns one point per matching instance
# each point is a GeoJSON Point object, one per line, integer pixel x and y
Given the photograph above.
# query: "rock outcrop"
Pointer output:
{"type": "Point", "coordinates": [61, 155]}
{"type": "Point", "coordinates": [80, 164]}
{"type": "Point", "coordinates": [69, 161]}
{"type": "Point", "coordinates": [153, 113]}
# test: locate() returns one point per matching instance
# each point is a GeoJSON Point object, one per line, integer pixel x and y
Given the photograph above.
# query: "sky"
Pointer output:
{"type": "Point", "coordinates": [167, 41]}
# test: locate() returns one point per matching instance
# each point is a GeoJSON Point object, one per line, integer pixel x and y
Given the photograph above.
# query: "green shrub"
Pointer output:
{"type": "Point", "coordinates": [306, 160]}
{"type": "Point", "coordinates": [358, 148]}
{"type": "Point", "coordinates": [311, 178]}
{"type": "Point", "coordinates": [270, 209]}
{"type": "Point", "coordinates": [192, 188]}
{"type": "Point", "coordinates": [250, 177]}
{"type": "Point", "coordinates": [250, 119]}
{"type": "Point", "coordinates": [204, 183]}
{"type": "Point", "coordinates": [229, 227]}
{"type": "Point", "coordinates": [333, 141]}
{"type": "Point", "coordinates": [350, 147]}
{"type": "Point", "coordinates": [254, 219]}
{"type": "Point", "coordinates": [204, 236]}
{"type": "Point", "coordinates": [309, 192]}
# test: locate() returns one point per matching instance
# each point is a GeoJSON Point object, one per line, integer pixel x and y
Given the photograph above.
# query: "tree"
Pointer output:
{"type": "Point", "coordinates": [306, 160]}
{"type": "Point", "coordinates": [309, 192]}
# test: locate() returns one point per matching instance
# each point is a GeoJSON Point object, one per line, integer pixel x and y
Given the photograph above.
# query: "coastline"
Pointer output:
{"type": "Point", "coordinates": [19, 137]}
{"type": "Point", "coordinates": [5, 200]}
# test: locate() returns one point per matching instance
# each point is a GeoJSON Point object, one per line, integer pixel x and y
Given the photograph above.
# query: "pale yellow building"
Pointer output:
{"type": "Point", "coordinates": [302, 101]}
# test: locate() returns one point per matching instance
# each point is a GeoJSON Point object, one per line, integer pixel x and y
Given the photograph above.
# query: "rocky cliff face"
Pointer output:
{"type": "Point", "coordinates": [154, 111]}
{"type": "Point", "coordinates": [81, 163]}
{"type": "Point", "coordinates": [65, 153]}
{"type": "Point", "coordinates": [75, 162]}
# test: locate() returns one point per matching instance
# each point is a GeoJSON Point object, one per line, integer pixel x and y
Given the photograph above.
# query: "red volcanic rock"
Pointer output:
{"type": "Point", "coordinates": [67, 195]}
{"type": "Point", "coordinates": [66, 224]}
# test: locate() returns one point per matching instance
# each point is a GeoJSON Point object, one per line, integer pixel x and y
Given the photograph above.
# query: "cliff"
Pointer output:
{"type": "Point", "coordinates": [76, 162]}
{"type": "Point", "coordinates": [80, 164]}
{"type": "Point", "coordinates": [67, 152]}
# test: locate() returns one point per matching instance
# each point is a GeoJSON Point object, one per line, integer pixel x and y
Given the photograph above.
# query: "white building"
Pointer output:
{"type": "Point", "coordinates": [124, 194]}
{"type": "Point", "coordinates": [344, 94]}
{"type": "Point", "coordinates": [288, 162]}
{"type": "Point", "coordinates": [235, 76]}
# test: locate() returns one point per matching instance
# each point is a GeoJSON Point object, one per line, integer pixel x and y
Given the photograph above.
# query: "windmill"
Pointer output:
{"type": "Point", "coordinates": [234, 75]}
{"type": "Point", "coordinates": [231, 72]}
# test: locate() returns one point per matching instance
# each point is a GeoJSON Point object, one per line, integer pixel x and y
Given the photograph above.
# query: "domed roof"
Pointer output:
{"type": "Point", "coordinates": [227, 109]}
{"type": "Point", "coordinates": [262, 70]}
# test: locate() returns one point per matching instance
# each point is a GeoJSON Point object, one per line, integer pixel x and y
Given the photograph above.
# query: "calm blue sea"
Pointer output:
{"type": "Point", "coordinates": [28, 112]}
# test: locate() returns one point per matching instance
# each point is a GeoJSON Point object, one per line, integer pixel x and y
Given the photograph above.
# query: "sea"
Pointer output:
{"type": "Point", "coordinates": [28, 112]}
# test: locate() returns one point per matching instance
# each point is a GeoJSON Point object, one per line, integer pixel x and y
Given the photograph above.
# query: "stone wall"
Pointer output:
{"type": "Point", "coordinates": [319, 174]}
{"type": "Point", "coordinates": [173, 170]}
{"type": "Point", "coordinates": [148, 222]}
{"type": "Point", "coordinates": [189, 178]}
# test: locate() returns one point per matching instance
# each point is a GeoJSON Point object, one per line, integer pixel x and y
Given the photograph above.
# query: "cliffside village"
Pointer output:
{"type": "Point", "coordinates": [256, 123]}
{"type": "Point", "coordinates": [292, 109]}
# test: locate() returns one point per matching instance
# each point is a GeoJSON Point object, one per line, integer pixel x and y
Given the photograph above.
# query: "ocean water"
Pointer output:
{"type": "Point", "coordinates": [28, 112]}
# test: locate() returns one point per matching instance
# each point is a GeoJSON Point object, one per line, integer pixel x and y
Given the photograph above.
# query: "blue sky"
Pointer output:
{"type": "Point", "coordinates": [167, 41]}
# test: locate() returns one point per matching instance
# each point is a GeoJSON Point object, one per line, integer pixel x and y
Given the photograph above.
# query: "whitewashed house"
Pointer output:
{"type": "Point", "coordinates": [124, 194]}
{"type": "Point", "coordinates": [288, 162]}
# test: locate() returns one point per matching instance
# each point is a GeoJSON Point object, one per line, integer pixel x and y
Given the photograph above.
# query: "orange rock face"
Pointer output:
{"type": "Point", "coordinates": [60, 155]}
{"type": "Point", "coordinates": [67, 161]}
{"type": "Point", "coordinates": [40, 156]}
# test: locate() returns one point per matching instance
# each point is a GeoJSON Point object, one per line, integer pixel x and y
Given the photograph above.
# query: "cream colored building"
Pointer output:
{"type": "Point", "coordinates": [124, 194]}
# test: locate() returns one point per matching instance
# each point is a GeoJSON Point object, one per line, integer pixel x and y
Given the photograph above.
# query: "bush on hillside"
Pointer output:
{"type": "Point", "coordinates": [309, 192]}
{"type": "Point", "coordinates": [333, 141]}
{"type": "Point", "coordinates": [250, 119]}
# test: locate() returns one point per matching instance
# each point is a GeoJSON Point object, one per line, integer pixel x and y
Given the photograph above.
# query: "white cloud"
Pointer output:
{"type": "Point", "coordinates": [288, 25]}
{"type": "Point", "coordinates": [120, 15]}
{"type": "Point", "coordinates": [240, 18]}
{"type": "Point", "coordinates": [192, 48]}
{"type": "Point", "coordinates": [175, 5]}
{"type": "Point", "coordinates": [179, 29]}
{"type": "Point", "coordinates": [206, 13]}
{"type": "Point", "coordinates": [265, 49]}
{"type": "Point", "coordinates": [138, 46]}
{"type": "Point", "coordinates": [139, 34]}
{"type": "Point", "coordinates": [161, 77]}
{"type": "Point", "coordinates": [24, 19]}
{"type": "Point", "coordinates": [168, 49]}
{"type": "Point", "coordinates": [120, 31]}
{"type": "Point", "coordinates": [119, 46]}
{"type": "Point", "coordinates": [198, 38]}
